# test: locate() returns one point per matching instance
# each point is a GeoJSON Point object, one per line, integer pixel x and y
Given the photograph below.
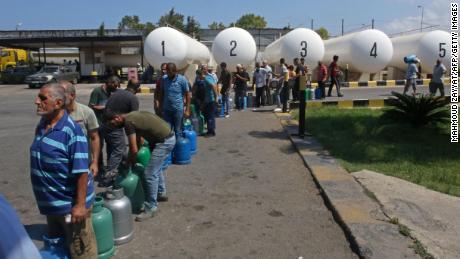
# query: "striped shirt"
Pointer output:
{"type": "Point", "coordinates": [57, 157]}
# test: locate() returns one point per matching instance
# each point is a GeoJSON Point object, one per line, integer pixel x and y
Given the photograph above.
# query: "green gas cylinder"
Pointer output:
{"type": "Point", "coordinates": [143, 156]}
{"type": "Point", "coordinates": [103, 229]}
{"type": "Point", "coordinates": [307, 94]}
{"type": "Point", "coordinates": [193, 110]}
{"type": "Point", "coordinates": [132, 186]}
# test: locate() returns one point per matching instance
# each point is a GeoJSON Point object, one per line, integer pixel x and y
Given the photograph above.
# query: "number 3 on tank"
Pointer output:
{"type": "Point", "coordinates": [233, 44]}
{"type": "Point", "coordinates": [303, 50]}
{"type": "Point", "coordinates": [163, 48]}
{"type": "Point", "coordinates": [374, 50]}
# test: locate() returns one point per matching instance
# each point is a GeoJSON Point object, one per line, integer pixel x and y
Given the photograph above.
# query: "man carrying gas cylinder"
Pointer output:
{"type": "Point", "coordinates": [141, 125]}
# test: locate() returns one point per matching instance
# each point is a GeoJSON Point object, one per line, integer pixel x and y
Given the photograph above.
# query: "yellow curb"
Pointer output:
{"type": "Point", "coordinates": [145, 90]}
{"type": "Point", "coordinates": [372, 83]}
{"type": "Point", "coordinates": [314, 84]}
{"type": "Point", "coordinates": [314, 104]}
{"type": "Point", "coordinates": [352, 212]}
{"type": "Point", "coordinates": [352, 84]}
{"type": "Point", "coordinates": [391, 82]}
{"type": "Point", "coordinates": [324, 173]}
{"type": "Point", "coordinates": [346, 104]}
{"type": "Point", "coordinates": [376, 103]}
{"type": "Point", "coordinates": [426, 81]}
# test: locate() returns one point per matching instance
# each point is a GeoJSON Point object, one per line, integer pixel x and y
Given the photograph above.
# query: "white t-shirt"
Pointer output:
{"type": "Point", "coordinates": [15, 243]}
{"type": "Point", "coordinates": [260, 77]}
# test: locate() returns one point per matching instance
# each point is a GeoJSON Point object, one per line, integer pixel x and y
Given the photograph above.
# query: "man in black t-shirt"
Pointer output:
{"type": "Point", "coordinates": [241, 78]}
{"type": "Point", "coordinates": [225, 79]}
{"type": "Point", "coordinates": [120, 101]}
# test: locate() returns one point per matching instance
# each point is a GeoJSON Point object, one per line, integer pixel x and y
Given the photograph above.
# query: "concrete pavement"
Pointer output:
{"type": "Point", "coordinates": [432, 216]}
{"type": "Point", "coordinates": [246, 195]}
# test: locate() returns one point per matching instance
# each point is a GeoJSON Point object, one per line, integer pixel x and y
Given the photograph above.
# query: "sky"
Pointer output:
{"type": "Point", "coordinates": [391, 16]}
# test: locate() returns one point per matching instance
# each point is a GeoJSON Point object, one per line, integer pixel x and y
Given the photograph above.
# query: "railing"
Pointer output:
{"type": "Point", "coordinates": [25, 34]}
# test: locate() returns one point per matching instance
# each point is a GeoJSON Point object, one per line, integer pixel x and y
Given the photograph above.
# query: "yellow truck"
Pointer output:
{"type": "Point", "coordinates": [12, 58]}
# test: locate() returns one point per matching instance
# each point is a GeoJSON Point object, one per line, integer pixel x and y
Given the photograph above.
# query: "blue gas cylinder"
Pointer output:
{"type": "Point", "coordinates": [191, 136]}
{"type": "Point", "coordinates": [410, 58]}
{"type": "Point", "coordinates": [182, 154]}
{"type": "Point", "coordinates": [245, 102]}
{"type": "Point", "coordinates": [54, 248]}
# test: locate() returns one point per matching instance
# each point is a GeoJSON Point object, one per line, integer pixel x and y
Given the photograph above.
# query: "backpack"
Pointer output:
{"type": "Point", "coordinates": [200, 90]}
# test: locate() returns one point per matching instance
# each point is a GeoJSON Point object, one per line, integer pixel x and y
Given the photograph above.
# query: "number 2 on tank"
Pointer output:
{"type": "Point", "coordinates": [233, 44]}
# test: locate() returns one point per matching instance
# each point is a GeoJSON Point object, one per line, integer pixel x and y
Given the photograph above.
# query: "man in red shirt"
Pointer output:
{"type": "Point", "coordinates": [322, 78]}
{"type": "Point", "coordinates": [335, 73]}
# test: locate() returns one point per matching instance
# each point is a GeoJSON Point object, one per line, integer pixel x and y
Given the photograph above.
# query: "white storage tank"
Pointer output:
{"type": "Point", "coordinates": [298, 43]}
{"type": "Point", "coordinates": [165, 44]}
{"type": "Point", "coordinates": [367, 51]}
{"type": "Point", "coordinates": [234, 46]}
{"type": "Point", "coordinates": [427, 46]}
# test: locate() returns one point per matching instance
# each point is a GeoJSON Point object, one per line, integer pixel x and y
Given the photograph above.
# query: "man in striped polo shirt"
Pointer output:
{"type": "Point", "coordinates": [61, 183]}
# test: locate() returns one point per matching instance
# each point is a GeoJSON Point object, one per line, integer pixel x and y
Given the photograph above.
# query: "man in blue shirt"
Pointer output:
{"type": "Point", "coordinates": [59, 170]}
{"type": "Point", "coordinates": [175, 90]}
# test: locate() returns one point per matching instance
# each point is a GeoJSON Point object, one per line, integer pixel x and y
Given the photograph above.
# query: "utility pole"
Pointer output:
{"type": "Point", "coordinates": [342, 27]}
{"type": "Point", "coordinates": [312, 24]}
{"type": "Point", "coordinates": [372, 23]}
{"type": "Point", "coordinates": [421, 21]}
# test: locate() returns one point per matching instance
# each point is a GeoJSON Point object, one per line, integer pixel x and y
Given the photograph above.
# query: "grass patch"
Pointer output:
{"type": "Point", "coordinates": [360, 139]}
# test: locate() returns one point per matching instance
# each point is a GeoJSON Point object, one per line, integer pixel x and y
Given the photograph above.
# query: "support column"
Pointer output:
{"type": "Point", "coordinates": [44, 52]}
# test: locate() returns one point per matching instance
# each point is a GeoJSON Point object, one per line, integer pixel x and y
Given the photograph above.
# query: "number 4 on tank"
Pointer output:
{"type": "Point", "coordinates": [374, 50]}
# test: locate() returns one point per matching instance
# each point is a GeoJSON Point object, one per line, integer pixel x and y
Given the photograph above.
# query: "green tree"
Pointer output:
{"type": "Point", "coordinates": [130, 22]}
{"type": "Point", "coordinates": [173, 19]}
{"type": "Point", "coordinates": [216, 26]}
{"type": "Point", "coordinates": [323, 33]}
{"type": "Point", "coordinates": [192, 27]}
{"type": "Point", "coordinates": [251, 21]}
{"type": "Point", "coordinates": [101, 30]}
{"type": "Point", "coordinates": [133, 22]}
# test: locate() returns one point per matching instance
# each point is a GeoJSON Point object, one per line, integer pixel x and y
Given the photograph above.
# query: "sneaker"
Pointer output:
{"type": "Point", "coordinates": [340, 95]}
{"type": "Point", "coordinates": [277, 110]}
{"type": "Point", "coordinates": [227, 116]}
{"type": "Point", "coordinates": [210, 134]}
{"type": "Point", "coordinates": [145, 215]}
{"type": "Point", "coordinates": [254, 110]}
{"type": "Point", "coordinates": [162, 198]}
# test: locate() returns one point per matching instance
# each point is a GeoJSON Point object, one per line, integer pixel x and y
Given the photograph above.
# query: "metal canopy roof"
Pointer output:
{"type": "Point", "coordinates": [34, 40]}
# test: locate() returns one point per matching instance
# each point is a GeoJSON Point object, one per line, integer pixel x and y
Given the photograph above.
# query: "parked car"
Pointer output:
{"type": "Point", "coordinates": [49, 74]}
{"type": "Point", "coordinates": [16, 75]}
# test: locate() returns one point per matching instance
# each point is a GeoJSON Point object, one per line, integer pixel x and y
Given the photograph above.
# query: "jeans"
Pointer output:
{"type": "Point", "coordinates": [279, 86]}
{"type": "Point", "coordinates": [154, 177]}
{"type": "Point", "coordinates": [239, 99]}
{"type": "Point", "coordinates": [322, 87]}
{"type": "Point", "coordinates": [209, 116]}
{"type": "Point", "coordinates": [410, 82]}
{"type": "Point", "coordinates": [334, 80]}
{"type": "Point", "coordinates": [174, 118]}
{"type": "Point", "coordinates": [268, 95]}
{"type": "Point", "coordinates": [116, 146]}
{"type": "Point", "coordinates": [226, 102]}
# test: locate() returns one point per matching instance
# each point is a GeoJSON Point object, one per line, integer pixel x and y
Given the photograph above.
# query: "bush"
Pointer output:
{"type": "Point", "coordinates": [417, 111]}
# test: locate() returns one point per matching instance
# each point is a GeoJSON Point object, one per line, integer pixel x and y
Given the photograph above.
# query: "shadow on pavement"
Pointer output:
{"type": "Point", "coordinates": [36, 231]}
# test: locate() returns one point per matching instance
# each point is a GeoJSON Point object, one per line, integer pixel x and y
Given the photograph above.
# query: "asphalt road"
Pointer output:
{"type": "Point", "coordinates": [247, 193]}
